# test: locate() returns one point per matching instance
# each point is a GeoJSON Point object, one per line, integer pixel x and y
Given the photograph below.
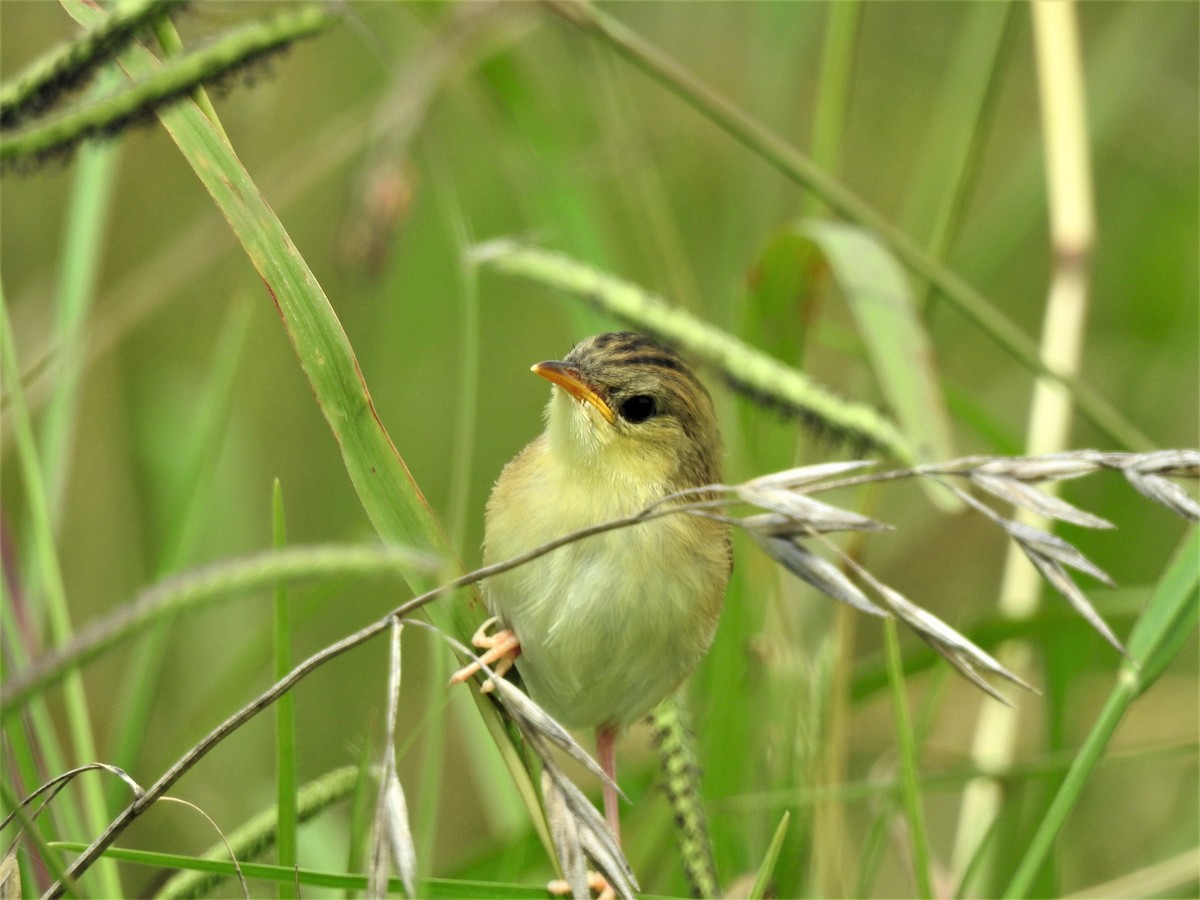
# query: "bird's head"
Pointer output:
{"type": "Point", "coordinates": [629, 407]}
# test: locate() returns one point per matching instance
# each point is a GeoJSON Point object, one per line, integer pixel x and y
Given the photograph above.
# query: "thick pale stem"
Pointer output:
{"type": "Point", "coordinates": [1070, 206]}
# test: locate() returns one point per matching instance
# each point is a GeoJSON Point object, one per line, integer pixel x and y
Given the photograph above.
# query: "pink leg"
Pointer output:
{"type": "Point", "coordinates": [606, 739]}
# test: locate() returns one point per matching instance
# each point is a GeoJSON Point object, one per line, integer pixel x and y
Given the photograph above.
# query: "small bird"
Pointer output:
{"type": "Point", "coordinates": [604, 628]}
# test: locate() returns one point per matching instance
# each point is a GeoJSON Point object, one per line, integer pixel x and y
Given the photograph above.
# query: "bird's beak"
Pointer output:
{"type": "Point", "coordinates": [568, 378]}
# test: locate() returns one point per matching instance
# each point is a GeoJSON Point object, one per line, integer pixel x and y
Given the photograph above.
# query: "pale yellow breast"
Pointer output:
{"type": "Point", "coordinates": [611, 624]}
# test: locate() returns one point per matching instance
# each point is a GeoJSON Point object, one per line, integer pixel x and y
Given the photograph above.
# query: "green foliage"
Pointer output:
{"type": "Point", "coordinates": [148, 415]}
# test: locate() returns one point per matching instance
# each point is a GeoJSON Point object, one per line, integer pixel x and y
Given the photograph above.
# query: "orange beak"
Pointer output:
{"type": "Point", "coordinates": [567, 378]}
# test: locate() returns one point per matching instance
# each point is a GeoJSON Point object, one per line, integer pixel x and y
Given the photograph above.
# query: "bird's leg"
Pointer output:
{"type": "Point", "coordinates": [502, 648]}
{"type": "Point", "coordinates": [606, 740]}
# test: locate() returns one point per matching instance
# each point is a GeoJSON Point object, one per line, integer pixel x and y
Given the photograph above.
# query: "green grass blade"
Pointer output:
{"type": "Point", "coordinates": [428, 803]}
{"type": "Point", "coordinates": [909, 766]}
{"type": "Point", "coordinates": [256, 836]}
{"type": "Point", "coordinates": [880, 297]}
{"type": "Point", "coordinates": [468, 353]}
{"type": "Point", "coordinates": [285, 714]}
{"type": "Point", "coordinates": [86, 221]}
{"type": "Point", "coordinates": [1169, 620]}
{"type": "Point", "coordinates": [428, 887]}
{"type": "Point", "coordinates": [82, 257]}
{"type": "Point", "coordinates": [54, 597]}
{"type": "Point", "coordinates": [954, 136]}
{"type": "Point", "coordinates": [833, 98]}
{"type": "Point", "coordinates": [51, 856]}
{"type": "Point", "coordinates": [362, 815]}
{"type": "Point", "coordinates": [762, 881]}
{"type": "Point", "coordinates": [172, 45]}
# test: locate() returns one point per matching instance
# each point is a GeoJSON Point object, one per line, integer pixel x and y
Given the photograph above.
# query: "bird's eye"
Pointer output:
{"type": "Point", "coordinates": [638, 408]}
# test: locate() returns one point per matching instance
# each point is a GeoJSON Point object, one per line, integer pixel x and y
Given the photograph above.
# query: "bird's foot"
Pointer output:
{"type": "Point", "coordinates": [502, 648]}
{"type": "Point", "coordinates": [596, 882]}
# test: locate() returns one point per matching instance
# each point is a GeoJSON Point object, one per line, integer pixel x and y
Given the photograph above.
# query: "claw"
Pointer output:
{"type": "Point", "coordinates": [502, 648]}
{"type": "Point", "coordinates": [596, 882]}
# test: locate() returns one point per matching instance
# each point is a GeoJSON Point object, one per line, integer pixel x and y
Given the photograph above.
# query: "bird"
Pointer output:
{"type": "Point", "coordinates": [603, 629]}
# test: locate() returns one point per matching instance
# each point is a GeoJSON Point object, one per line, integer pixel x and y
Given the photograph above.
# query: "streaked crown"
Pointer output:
{"type": "Point", "coordinates": [656, 400]}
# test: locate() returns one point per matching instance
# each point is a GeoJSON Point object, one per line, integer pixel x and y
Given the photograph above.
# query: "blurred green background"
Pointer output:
{"type": "Point", "coordinates": [406, 130]}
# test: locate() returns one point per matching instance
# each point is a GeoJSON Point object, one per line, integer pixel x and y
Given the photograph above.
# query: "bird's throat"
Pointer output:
{"type": "Point", "coordinates": [589, 457]}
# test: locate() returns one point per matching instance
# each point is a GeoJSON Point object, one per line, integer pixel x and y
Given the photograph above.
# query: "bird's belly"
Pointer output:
{"type": "Point", "coordinates": [607, 626]}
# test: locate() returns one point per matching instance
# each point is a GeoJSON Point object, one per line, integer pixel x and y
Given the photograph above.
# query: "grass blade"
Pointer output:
{"type": "Point", "coordinates": [428, 887]}
{"type": "Point", "coordinates": [843, 22]}
{"type": "Point", "coordinates": [762, 880]}
{"type": "Point", "coordinates": [946, 170]}
{"type": "Point", "coordinates": [1169, 621]}
{"type": "Point", "coordinates": [82, 257]}
{"type": "Point", "coordinates": [285, 714]}
{"type": "Point", "coordinates": [1072, 220]}
{"type": "Point", "coordinates": [53, 595]}
{"type": "Point", "coordinates": [881, 299]}
{"type": "Point", "coordinates": [86, 228]}
{"type": "Point", "coordinates": [909, 766]}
